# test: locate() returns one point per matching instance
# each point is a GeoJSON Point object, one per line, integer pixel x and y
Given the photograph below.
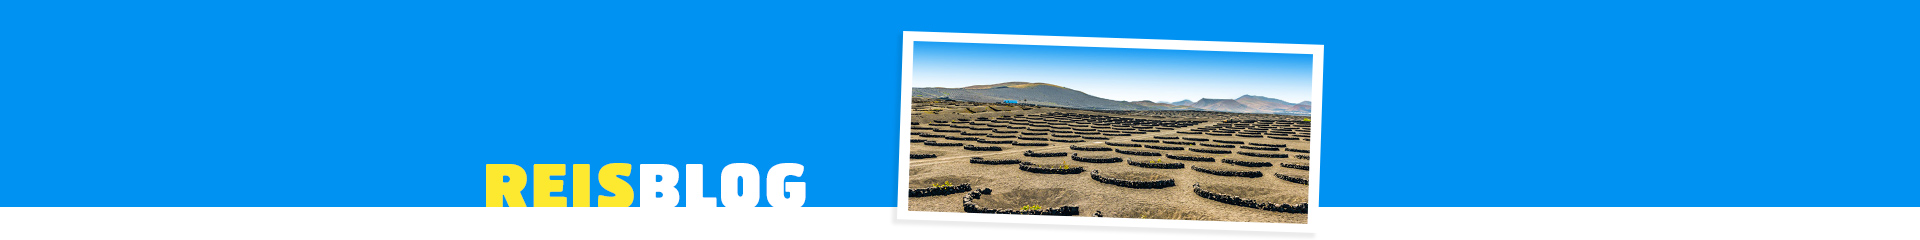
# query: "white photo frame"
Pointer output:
{"type": "Point", "coordinates": [906, 92]}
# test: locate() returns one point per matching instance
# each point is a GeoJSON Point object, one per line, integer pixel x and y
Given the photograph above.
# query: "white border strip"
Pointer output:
{"type": "Point", "coordinates": [906, 103]}
{"type": "Point", "coordinates": [1339, 223]}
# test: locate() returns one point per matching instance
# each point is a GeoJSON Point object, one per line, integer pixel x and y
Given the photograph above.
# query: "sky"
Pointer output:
{"type": "Point", "coordinates": [1123, 74]}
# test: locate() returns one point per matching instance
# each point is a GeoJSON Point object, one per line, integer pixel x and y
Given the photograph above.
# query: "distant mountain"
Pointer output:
{"type": "Point", "coordinates": [1033, 93]}
{"type": "Point", "coordinates": [1054, 95]}
{"type": "Point", "coordinates": [1304, 106]}
{"type": "Point", "coordinates": [1161, 105]}
{"type": "Point", "coordinates": [1253, 104]}
{"type": "Point", "coordinates": [1244, 98]}
{"type": "Point", "coordinates": [1259, 103]}
{"type": "Point", "coordinates": [1007, 84]}
{"type": "Point", "coordinates": [1223, 105]}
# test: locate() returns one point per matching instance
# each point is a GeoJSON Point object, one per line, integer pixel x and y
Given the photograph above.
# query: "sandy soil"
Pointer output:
{"type": "Point", "coordinates": [1016, 188]}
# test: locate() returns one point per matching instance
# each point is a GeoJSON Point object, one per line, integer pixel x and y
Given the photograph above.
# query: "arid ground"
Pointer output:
{"type": "Point", "coordinates": [1252, 167]}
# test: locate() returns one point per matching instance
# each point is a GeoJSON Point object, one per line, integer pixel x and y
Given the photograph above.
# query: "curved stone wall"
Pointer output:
{"type": "Point", "coordinates": [1239, 201]}
{"type": "Point", "coordinates": [1174, 148]}
{"type": "Point", "coordinates": [983, 148]}
{"type": "Point", "coordinates": [1229, 173]}
{"type": "Point", "coordinates": [1076, 157]}
{"type": "Point", "coordinates": [1264, 155]}
{"type": "Point", "coordinates": [937, 191]}
{"type": "Point", "coordinates": [1294, 166]}
{"type": "Point", "coordinates": [980, 160]}
{"type": "Point", "coordinates": [1158, 165]}
{"type": "Point", "coordinates": [1213, 151]}
{"type": "Point", "coordinates": [967, 204]}
{"type": "Point", "coordinates": [1190, 158]}
{"type": "Point", "coordinates": [1291, 179]}
{"type": "Point", "coordinates": [1031, 153]}
{"type": "Point", "coordinates": [1131, 183]}
{"type": "Point", "coordinates": [1092, 148]}
{"type": "Point", "coordinates": [1247, 163]}
{"type": "Point", "coordinates": [1136, 153]}
{"type": "Point", "coordinates": [1036, 168]}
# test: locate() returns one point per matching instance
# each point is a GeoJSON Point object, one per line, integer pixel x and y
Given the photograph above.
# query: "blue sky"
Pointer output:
{"type": "Point", "coordinates": [1117, 73]}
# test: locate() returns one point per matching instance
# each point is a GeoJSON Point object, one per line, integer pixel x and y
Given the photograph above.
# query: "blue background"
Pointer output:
{"type": "Point", "coordinates": [335, 103]}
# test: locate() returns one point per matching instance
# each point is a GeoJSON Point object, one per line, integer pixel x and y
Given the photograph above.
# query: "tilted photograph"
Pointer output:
{"type": "Point", "coordinates": [1109, 132]}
